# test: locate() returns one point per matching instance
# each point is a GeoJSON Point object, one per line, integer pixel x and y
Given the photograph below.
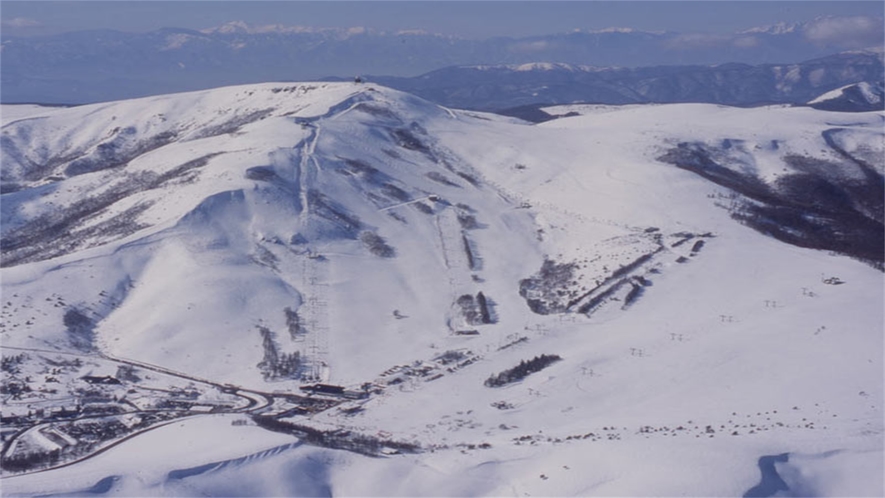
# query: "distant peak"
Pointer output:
{"type": "Point", "coordinates": [229, 28]}
{"type": "Point", "coordinates": [241, 27]}
{"type": "Point", "coordinates": [413, 32]}
{"type": "Point", "coordinates": [621, 30]}
{"type": "Point", "coordinates": [780, 28]}
{"type": "Point", "coordinates": [544, 66]}
{"type": "Point", "coordinates": [534, 66]}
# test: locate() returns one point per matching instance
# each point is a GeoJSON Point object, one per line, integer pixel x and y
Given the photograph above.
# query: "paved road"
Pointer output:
{"type": "Point", "coordinates": [255, 400]}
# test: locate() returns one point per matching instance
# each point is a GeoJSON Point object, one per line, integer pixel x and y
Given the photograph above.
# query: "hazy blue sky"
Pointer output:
{"type": "Point", "coordinates": [469, 19]}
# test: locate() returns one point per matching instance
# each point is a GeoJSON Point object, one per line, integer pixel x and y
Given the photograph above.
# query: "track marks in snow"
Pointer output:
{"type": "Point", "coordinates": [451, 238]}
{"type": "Point", "coordinates": [182, 474]}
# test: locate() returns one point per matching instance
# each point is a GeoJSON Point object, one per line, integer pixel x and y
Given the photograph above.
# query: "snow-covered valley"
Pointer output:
{"type": "Point", "coordinates": [342, 289]}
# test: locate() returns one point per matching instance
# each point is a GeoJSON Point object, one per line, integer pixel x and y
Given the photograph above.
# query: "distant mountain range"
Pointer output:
{"type": "Point", "coordinates": [97, 66]}
{"type": "Point", "coordinates": [511, 86]}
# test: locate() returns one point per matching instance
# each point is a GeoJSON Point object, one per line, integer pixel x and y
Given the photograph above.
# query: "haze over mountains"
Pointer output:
{"type": "Point", "coordinates": [501, 87]}
{"type": "Point", "coordinates": [93, 66]}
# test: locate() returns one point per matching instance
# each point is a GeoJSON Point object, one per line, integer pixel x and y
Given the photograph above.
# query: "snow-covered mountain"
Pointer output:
{"type": "Point", "coordinates": [99, 66]}
{"type": "Point", "coordinates": [859, 97]}
{"type": "Point", "coordinates": [506, 87]}
{"type": "Point", "coordinates": [630, 300]}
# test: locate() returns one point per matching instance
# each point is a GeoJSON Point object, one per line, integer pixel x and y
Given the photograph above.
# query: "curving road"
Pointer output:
{"type": "Point", "coordinates": [254, 401]}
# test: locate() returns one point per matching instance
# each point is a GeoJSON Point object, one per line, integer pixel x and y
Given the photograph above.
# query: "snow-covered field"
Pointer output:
{"type": "Point", "coordinates": [389, 245]}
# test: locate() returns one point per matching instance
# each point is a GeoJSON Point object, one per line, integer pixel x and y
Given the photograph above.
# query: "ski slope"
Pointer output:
{"type": "Point", "coordinates": [691, 345]}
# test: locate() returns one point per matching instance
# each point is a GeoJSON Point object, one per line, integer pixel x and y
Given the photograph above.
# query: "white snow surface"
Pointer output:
{"type": "Point", "coordinates": [219, 249]}
{"type": "Point", "coordinates": [14, 112]}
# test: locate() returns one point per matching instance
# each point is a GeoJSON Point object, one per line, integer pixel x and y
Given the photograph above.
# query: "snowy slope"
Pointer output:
{"type": "Point", "coordinates": [358, 225]}
{"type": "Point", "coordinates": [858, 97]}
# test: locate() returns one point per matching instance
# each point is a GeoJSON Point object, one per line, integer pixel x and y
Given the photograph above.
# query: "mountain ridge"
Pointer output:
{"type": "Point", "coordinates": [499, 87]}
{"type": "Point", "coordinates": [82, 67]}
